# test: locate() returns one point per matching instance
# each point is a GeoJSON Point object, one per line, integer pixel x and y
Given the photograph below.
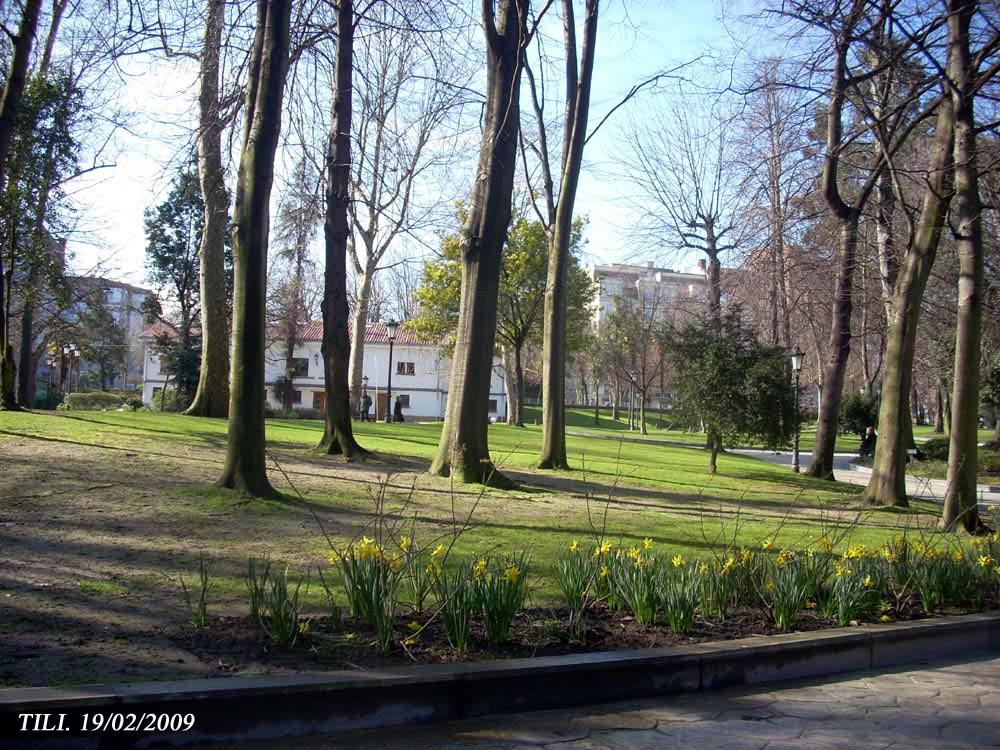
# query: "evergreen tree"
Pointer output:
{"type": "Point", "coordinates": [174, 234]}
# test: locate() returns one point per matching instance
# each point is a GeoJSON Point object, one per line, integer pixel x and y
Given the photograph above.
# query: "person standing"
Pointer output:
{"type": "Point", "coordinates": [366, 405]}
{"type": "Point", "coordinates": [397, 410]}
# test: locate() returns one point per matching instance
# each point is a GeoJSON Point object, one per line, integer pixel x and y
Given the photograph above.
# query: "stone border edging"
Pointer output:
{"type": "Point", "coordinates": [263, 707]}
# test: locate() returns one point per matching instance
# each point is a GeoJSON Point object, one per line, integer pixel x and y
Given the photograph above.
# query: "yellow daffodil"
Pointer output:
{"type": "Point", "coordinates": [885, 618]}
{"type": "Point", "coordinates": [869, 582]}
{"type": "Point", "coordinates": [413, 625]}
{"type": "Point", "coordinates": [438, 551]}
{"type": "Point", "coordinates": [513, 574]}
{"type": "Point", "coordinates": [405, 543]}
{"type": "Point", "coordinates": [647, 544]}
{"type": "Point", "coordinates": [574, 546]}
{"type": "Point", "coordinates": [603, 549]}
{"type": "Point", "coordinates": [768, 543]}
{"type": "Point", "coordinates": [729, 566]}
{"type": "Point", "coordinates": [479, 568]}
{"type": "Point", "coordinates": [985, 561]}
{"type": "Point", "coordinates": [604, 571]}
{"type": "Point", "coordinates": [678, 561]}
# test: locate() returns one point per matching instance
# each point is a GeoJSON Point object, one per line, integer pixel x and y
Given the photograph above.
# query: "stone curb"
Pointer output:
{"type": "Point", "coordinates": [263, 707]}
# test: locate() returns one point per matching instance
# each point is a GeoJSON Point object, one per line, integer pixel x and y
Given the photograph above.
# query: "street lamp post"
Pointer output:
{"type": "Point", "coordinates": [390, 328]}
{"type": "Point", "coordinates": [796, 358]}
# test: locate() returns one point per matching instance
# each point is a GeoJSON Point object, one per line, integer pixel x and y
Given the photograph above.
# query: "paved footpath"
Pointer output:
{"type": "Point", "coordinates": [934, 706]}
{"type": "Point", "coordinates": [846, 470]}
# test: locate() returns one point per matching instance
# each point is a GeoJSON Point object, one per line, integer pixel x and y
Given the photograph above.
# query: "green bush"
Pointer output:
{"type": "Point", "coordinates": [935, 449]}
{"type": "Point", "coordinates": [858, 411]}
{"type": "Point", "coordinates": [93, 401]}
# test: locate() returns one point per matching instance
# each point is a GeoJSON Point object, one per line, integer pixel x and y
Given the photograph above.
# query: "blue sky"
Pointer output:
{"type": "Point", "coordinates": [636, 39]}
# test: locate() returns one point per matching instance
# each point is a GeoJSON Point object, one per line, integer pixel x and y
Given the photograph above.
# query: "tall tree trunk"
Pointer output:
{"type": "Point", "coordinates": [553, 452]}
{"type": "Point", "coordinates": [714, 446]}
{"type": "Point", "coordinates": [840, 349]}
{"type": "Point", "coordinates": [641, 395]}
{"type": "Point", "coordinates": [358, 331]}
{"type": "Point", "coordinates": [9, 105]}
{"type": "Point", "coordinates": [887, 485]}
{"type": "Point", "coordinates": [847, 217]}
{"type": "Point", "coordinates": [338, 431]}
{"type": "Point", "coordinates": [616, 400]}
{"type": "Point", "coordinates": [463, 451]}
{"type": "Point", "coordinates": [245, 466]}
{"type": "Point", "coordinates": [519, 385]}
{"type": "Point", "coordinates": [212, 396]}
{"type": "Point", "coordinates": [287, 387]}
{"type": "Point", "coordinates": [960, 501]}
{"type": "Point", "coordinates": [25, 372]}
{"type": "Point", "coordinates": [939, 407]}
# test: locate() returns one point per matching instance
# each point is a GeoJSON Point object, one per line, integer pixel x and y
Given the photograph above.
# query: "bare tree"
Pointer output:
{"type": "Point", "coordinates": [406, 88]}
{"type": "Point", "coordinates": [968, 72]}
{"type": "Point", "coordinates": [245, 466]}
{"type": "Point", "coordinates": [299, 214]}
{"type": "Point", "coordinates": [463, 451]}
{"type": "Point", "coordinates": [338, 433]}
{"type": "Point", "coordinates": [579, 75]}
{"type": "Point", "coordinates": [212, 396]}
{"type": "Point", "coordinates": [683, 167]}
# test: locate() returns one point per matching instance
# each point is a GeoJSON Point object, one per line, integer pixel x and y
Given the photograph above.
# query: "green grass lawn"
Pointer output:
{"type": "Point", "coordinates": [659, 427]}
{"type": "Point", "coordinates": [105, 512]}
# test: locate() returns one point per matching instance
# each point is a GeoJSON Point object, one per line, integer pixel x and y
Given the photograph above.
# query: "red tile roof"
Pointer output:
{"type": "Point", "coordinates": [375, 333]}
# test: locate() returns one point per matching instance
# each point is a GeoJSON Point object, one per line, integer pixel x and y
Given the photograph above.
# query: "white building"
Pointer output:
{"type": "Point", "coordinates": [419, 373]}
{"type": "Point", "coordinates": [124, 302]}
{"type": "Point", "coordinates": [662, 288]}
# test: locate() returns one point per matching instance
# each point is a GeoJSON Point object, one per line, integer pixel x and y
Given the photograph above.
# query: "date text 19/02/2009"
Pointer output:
{"type": "Point", "coordinates": [109, 722]}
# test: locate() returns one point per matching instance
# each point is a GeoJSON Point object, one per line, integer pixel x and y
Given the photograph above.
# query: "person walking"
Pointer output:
{"type": "Point", "coordinates": [397, 410]}
{"type": "Point", "coordinates": [366, 405]}
{"type": "Point", "coordinates": [868, 443]}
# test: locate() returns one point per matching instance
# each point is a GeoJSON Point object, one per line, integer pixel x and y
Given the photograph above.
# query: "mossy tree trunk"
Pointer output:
{"type": "Point", "coordinates": [338, 432]}
{"type": "Point", "coordinates": [887, 485]}
{"type": "Point", "coordinates": [245, 468]}
{"type": "Point", "coordinates": [463, 451]}
{"type": "Point", "coordinates": [212, 395]}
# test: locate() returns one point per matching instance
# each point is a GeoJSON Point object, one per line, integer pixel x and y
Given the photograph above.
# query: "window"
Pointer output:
{"type": "Point", "coordinates": [296, 396]}
{"type": "Point", "coordinates": [493, 406]}
{"type": "Point", "coordinates": [319, 400]}
{"type": "Point", "coordinates": [300, 367]}
{"type": "Point", "coordinates": [405, 368]}
{"type": "Point", "coordinates": [404, 400]}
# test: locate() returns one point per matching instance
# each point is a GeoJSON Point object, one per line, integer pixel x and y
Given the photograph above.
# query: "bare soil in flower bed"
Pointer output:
{"type": "Point", "coordinates": [235, 645]}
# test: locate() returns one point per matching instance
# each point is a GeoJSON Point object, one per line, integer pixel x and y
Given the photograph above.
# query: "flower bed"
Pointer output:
{"type": "Point", "coordinates": [409, 604]}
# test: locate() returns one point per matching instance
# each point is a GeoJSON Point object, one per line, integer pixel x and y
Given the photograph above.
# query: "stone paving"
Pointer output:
{"type": "Point", "coordinates": [935, 706]}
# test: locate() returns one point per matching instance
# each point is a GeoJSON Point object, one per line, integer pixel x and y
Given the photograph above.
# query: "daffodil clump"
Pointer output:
{"type": "Point", "coordinates": [788, 588]}
{"type": "Point", "coordinates": [500, 586]}
{"type": "Point", "coordinates": [576, 574]}
{"type": "Point", "coordinates": [680, 587]}
{"type": "Point", "coordinates": [372, 575]}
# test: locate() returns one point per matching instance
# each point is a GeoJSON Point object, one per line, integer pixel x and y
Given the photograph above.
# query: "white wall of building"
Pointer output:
{"type": "Point", "coordinates": [426, 388]}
